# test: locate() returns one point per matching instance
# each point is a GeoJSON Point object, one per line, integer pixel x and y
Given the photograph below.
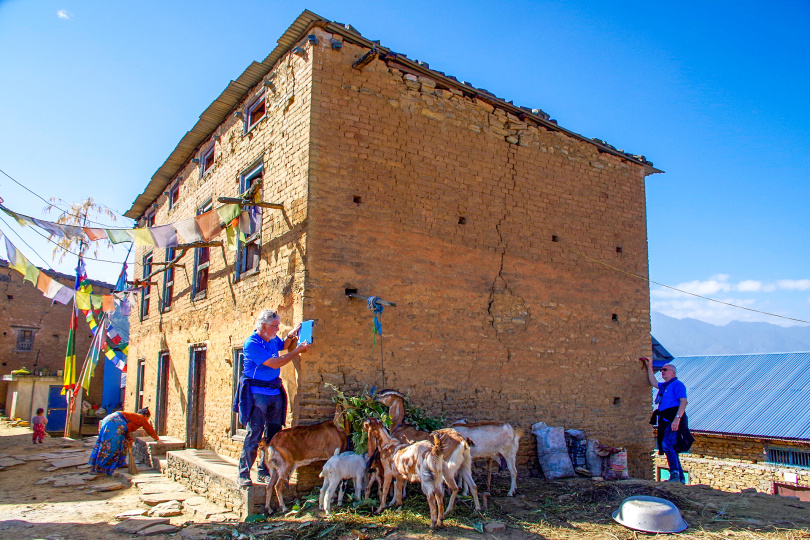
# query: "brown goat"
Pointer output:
{"type": "Point", "coordinates": [296, 446]}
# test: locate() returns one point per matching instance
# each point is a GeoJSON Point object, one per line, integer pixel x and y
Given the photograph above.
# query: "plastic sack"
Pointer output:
{"type": "Point", "coordinates": [552, 453]}
{"type": "Point", "coordinates": [617, 466]}
{"type": "Point", "coordinates": [592, 459]}
{"type": "Point", "coordinates": [575, 442]}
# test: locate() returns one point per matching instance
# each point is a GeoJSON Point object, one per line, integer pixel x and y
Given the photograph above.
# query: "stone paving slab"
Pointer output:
{"type": "Point", "coordinates": [70, 461]}
{"type": "Point", "coordinates": [131, 513]}
{"type": "Point", "coordinates": [156, 498]}
{"type": "Point", "coordinates": [139, 523]}
{"type": "Point", "coordinates": [10, 462]}
{"type": "Point", "coordinates": [158, 529]}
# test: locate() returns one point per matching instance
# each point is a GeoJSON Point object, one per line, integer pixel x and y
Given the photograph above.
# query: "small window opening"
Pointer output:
{"type": "Point", "coordinates": [357, 199]}
{"type": "Point", "coordinates": [10, 296]}
{"type": "Point", "coordinates": [614, 318]}
{"type": "Point", "coordinates": [617, 401]}
{"type": "Point", "coordinates": [555, 238]}
{"type": "Point", "coordinates": [351, 291]}
{"type": "Point", "coordinates": [618, 249]}
{"type": "Point", "coordinates": [462, 221]}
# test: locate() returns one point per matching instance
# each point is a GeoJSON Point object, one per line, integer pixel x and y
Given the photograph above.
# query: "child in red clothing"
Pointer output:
{"type": "Point", "coordinates": [39, 422]}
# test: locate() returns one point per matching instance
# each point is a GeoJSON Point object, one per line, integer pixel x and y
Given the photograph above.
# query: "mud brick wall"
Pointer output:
{"type": "Point", "coordinates": [225, 315]}
{"type": "Point", "coordinates": [448, 207]}
{"type": "Point", "coordinates": [24, 306]}
{"type": "Point", "coordinates": [480, 226]}
{"type": "Point", "coordinates": [736, 463]}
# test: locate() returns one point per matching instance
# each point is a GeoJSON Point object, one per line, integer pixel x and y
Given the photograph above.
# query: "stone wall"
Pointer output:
{"type": "Point", "coordinates": [483, 228]}
{"type": "Point", "coordinates": [224, 316]}
{"type": "Point", "coordinates": [24, 307]}
{"type": "Point", "coordinates": [736, 463]}
{"type": "Point", "coordinates": [450, 207]}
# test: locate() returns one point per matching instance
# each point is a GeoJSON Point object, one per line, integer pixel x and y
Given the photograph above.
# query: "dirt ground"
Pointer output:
{"type": "Point", "coordinates": [572, 509]}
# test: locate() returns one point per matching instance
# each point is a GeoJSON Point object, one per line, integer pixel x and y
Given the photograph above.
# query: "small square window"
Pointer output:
{"type": "Point", "coordinates": [149, 219]}
{"type": "Point", "coordinates": [174, 194]}
{"type": "Point", "coordinates": [254, 112]}
{"type": "Point", "coordinates": [207, 160]}
{"type": "Point", "coordinates": [25, 339]}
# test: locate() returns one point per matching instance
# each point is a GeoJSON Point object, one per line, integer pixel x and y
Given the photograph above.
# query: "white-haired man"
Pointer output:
{"type": "Point", "coordinates": [670, 413]}
{"type": "Point", "coordinates": [261, 400]}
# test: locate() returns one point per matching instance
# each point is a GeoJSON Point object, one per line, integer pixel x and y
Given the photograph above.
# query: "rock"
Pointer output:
{"type": "Point", "coordinates": [15, 524]}
{"type": "Point", "coordinates": [195, 501]}
{"type": "Point", "coordinates": [130, 513]}
{"type": "Point", "coordinates": [494, 527]}
{"type": "Point", "coordinates": [194, 533]}
{"type": "Point", "coordinates": [70, 461]}
{"type": "Point", "coordinates": [158, 529]}
{"type": "Point", "coordinates": [73, 480]}
{"type": "Point", "coordinates": [109, 486]}
{"type": "Point", "coordinates": [10, 462]}
{"type": "Point", "coordinates": [135, 524]}
{"type": "Point", "coordinates": [156, 498]}
{"type": "Point", "coordinates": [167, 509]}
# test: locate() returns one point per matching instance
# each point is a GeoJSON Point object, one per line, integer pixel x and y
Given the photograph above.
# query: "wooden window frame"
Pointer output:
{"type": "Point", "coordinates": [248, 253]}
{"type": "Point", "coordinates": [140, 384]}
{"type": "Point", "coordinates": [202, 262]}
{"type": "Point", "coordinates": [168, 281]}
{"type": "Point", "coordinates": [146, 290]}
{"type": "Point", "coordinates": [174, 194]}
{"type": "Point", "coordinates": [238, 432]}
{"type": "Point", "coordinates": [251, 108]}
{"type": "Point", "coordinates": [207, 159]}
{"type": "Point", "coordinates": [26, 345]}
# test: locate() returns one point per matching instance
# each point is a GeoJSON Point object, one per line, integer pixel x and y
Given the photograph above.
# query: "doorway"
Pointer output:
{"type": "Point", "coordinates": [162, 393]}
{"type": "Point", "coordinates": [195, 416]}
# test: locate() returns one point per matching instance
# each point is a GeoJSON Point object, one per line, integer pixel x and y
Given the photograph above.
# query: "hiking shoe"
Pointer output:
{"type": "Point", "coordinates": [244, 482]}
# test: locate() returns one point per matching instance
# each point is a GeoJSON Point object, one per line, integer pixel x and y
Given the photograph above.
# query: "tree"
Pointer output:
{"type": "Point", "coordinates": [79, 214]}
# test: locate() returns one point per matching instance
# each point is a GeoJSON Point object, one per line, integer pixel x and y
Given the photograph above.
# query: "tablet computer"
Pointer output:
{"type": "Point", "coordinates": [305, 333]}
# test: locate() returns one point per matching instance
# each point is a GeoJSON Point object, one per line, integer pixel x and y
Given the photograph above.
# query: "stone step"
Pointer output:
{"type": "Point", "coordinates": [148, 451]}
{"type": "Point", "coordinates": [207, 473]}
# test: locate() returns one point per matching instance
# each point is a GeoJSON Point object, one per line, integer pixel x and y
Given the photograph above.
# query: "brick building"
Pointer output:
{"type": "Point", "coordinates": [35, 330]}
{"type": "Point", "coordinates": [471, 214]}
{"type": "Point", "coordinates": [750, 420]}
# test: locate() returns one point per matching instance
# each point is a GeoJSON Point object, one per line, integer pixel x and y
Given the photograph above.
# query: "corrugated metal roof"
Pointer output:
{"type": "Point", "coordinates": [217, 112]}
{"type": "Point", "coordinates": [760, 395]}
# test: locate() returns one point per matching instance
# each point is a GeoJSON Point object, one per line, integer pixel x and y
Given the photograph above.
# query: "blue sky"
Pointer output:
{"type": "Point", "coordinates": [95, 95]}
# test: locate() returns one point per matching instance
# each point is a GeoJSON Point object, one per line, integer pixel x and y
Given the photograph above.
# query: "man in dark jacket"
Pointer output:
{"type": "Point", "coordinates": [670, 412]}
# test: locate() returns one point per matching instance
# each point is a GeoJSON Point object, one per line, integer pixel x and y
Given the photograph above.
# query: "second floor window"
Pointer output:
{"type": "Point", "coordinates": [254, 112]}
{"type": "Point", "coordinates": [168, 281]}
{"type": "Point", "coordinates": [206, 160]}
{"type": "Point", "coordinates": [202, 256]}
{"type": "Point", "coordinates": [174, 194]}
{"type": "Point", "coordinates": [25, 339]}
{"type": "Point", "coordinates": [247, 251]}
{"type": "Point", "coordinates": [146, 294]}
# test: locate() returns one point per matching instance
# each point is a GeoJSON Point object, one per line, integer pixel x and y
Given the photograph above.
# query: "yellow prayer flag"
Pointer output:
{"type": "Point", "coordinates": [142, 236]}
{"type": "Point", "coordinates": [83, 300]}
{"type": "Point", "coordinates": [96, 300]}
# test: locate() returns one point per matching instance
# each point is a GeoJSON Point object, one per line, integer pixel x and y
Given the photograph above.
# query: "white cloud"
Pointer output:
{"type": "Point", "coordinates": [749, 285]}
{"type": "Point", "coordinates": [794, 284]}
{"type": "Point", "coordinates": [64, 14]}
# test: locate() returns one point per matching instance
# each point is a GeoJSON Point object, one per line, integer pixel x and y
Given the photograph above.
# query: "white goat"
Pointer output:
{"type": "Point", "coordinates": [492, 439]}
{"type": "Point", "coordinates": [339, 467]}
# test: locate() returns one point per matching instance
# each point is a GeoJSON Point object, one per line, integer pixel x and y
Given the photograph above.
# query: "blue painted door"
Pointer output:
{"type": "Point", "coordinates": [57, 409]}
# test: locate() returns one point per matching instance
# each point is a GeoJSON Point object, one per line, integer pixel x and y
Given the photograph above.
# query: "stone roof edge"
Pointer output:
{"type": "Point", "coordinates": [238, 89]}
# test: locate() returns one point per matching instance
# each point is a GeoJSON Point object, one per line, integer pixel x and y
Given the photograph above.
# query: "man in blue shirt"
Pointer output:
{"type": "Point", "coordinates": [671, 401]}
{"type": "Point", "coordinates": [261, 399]}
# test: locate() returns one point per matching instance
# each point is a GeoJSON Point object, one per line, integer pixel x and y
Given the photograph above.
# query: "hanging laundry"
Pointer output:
{"type": "Point", "coordinates": [189, 231]}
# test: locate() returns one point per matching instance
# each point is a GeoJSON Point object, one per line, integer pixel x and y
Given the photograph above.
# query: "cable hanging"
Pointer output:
{"type": "Point", "coordinates": [680, 290]}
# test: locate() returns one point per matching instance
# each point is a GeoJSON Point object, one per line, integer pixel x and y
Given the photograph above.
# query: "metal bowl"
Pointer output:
{"type": "Point", "coordinates": [650, 514]}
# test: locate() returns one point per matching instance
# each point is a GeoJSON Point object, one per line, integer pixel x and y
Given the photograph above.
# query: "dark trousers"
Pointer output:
{"type": "Point", "coordinates": [668, 446]}
{"type": "Point", "coordinates": [266, 419]}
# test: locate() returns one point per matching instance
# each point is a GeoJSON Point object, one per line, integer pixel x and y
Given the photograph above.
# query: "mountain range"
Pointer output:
{"type": "Point", "coordinates": [691, 337]}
